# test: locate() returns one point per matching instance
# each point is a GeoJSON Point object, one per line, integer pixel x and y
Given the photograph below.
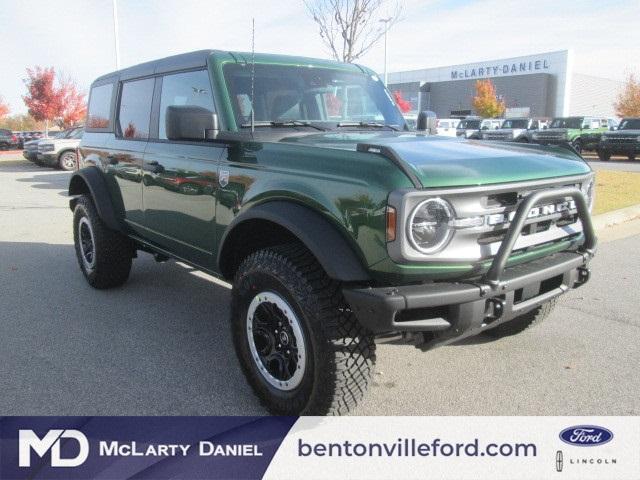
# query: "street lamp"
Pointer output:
{"type": "Point", "coordinates": [386, 29]}
{"type": "Point", "coordinates": [115, 33]}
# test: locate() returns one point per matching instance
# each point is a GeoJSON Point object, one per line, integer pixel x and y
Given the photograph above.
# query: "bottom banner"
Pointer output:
{"type": "Point", "coordinates": [314, 447]}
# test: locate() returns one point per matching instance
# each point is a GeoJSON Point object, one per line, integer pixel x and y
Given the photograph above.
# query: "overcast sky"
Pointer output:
{"type": "Point", "coordinates": [76, 36]}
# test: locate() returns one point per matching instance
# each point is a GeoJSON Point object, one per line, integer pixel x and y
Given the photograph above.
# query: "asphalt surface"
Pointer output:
{"type": "Point", "coordinates": [160, 345]}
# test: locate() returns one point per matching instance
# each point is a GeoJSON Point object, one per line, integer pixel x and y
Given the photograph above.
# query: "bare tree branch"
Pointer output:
{"type": "Point", "coordinates": [350, 28]}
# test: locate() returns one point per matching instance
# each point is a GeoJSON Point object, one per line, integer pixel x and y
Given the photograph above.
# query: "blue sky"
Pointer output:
{"type": "Point", "coordinates": [76, 36]}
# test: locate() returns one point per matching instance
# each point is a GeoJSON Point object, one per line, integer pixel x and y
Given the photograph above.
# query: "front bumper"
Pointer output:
{"type": "Point", "coordinates": [47, 158]}
{"type": "Point", "coordinates": [30, 155]}
{"type": "Point", "coordinates": [619, 148]}
{"type": "Point", "coordinates": [444, 312]}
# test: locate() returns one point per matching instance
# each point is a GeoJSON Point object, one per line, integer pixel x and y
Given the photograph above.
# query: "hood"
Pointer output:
{"type": "Point", "coordinates": [448, 162]}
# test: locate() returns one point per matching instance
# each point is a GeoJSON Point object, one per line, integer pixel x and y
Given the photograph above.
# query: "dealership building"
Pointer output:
{"type": "Point", "coordinates": [540, 85]}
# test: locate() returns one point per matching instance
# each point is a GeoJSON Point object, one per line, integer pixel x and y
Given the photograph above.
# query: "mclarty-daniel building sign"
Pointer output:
{"type": "Point", "coordinates": [516, 73]}
{"type": "Point", "coordinates": [488, 70]}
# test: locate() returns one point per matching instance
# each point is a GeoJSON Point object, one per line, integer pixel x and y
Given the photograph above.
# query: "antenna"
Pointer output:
{"type": "Point", "coordinates": [253, 71]}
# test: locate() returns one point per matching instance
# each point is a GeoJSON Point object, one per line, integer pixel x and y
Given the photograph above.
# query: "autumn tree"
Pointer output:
{"type": "Point", "coordinates": [628, 102]}
{"type": "Point", "coordinates": [486, 103]}
{"type": "Point", "coordinates": [51, 100]}
{"type": "Point", "coordinates": [349, 28]}
{"type": "Point", "coordinates": [4, 108]}
{"type": "Point", "coordinates": [74, 105]}
{"type": "Point", "coordinates": [403, 105]}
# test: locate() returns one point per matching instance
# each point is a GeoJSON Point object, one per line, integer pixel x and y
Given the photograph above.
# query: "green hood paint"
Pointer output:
{"type": "Point", "coordinates": [445, 162]}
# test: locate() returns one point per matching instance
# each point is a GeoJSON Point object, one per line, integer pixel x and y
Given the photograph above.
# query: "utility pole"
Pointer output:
{"type": "Point", "coordinates": [386, 29]}
{"type": "Point", "coordinates": [115, 33]}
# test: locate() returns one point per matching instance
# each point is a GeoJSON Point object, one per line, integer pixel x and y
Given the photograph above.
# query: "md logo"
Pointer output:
{"type": "Point", "coordinates": [28, 440]}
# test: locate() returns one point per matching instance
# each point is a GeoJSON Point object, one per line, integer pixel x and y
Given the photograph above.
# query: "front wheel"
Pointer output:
{"type": "Point", "coordinates": [521, 323]}
{"type": "Point", "coordinates": [631, 157]}
{"type": "Point", "coordinates": [67, 161]}
{"type": "Point", "coordinates": [577, 145]}
{"type": "Point", "coordinates": [604, 156]}
{"type": "Point", "coordinates": [300, 347]}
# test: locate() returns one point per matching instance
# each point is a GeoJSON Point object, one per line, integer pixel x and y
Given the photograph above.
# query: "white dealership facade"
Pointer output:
{"type": "Point", "coordinates": [538, 85]}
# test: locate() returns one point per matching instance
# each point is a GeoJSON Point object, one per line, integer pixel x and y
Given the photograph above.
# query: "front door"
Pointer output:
{"type": "Point", "coordinates": [180, 178]}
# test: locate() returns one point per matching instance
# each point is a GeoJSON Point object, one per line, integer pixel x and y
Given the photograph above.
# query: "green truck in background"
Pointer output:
{"type": "Point", "coordinates": [298, 181]}
{"type": "Point", "coordinates": [582, 133]}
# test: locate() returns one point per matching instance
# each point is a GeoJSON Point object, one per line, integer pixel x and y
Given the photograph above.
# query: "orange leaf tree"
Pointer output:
{"type": "Point", "coordinates": [403, 104]}
{"type": "Point", "coordinates": [628, 103]}
{"type": "Point", "coordinates": [4, 108]}
{"type": "Point", "coordinates": [486, 102]}
{"type": "Point", "coordinates": [49, 100]}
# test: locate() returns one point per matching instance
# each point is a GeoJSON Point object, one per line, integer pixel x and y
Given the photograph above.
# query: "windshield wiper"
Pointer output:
{"type": "Point", "coordinates": [284, 123]}
{"type": "Point", "coordinates": [368, 125]}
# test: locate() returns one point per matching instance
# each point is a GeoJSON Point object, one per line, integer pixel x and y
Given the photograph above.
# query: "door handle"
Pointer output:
{"type": "Point", "coordinates": [153, 166]}
{"type": "Point", "coordinates": [153, 163]}
{"type": "Point", "coordinates": [112, 159]}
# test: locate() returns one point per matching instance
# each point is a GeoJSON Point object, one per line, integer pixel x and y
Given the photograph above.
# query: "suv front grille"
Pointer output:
{"type": "Point", "coordinates": [551, 136]}
{"type": "Point", "coordinates": [623, 140]}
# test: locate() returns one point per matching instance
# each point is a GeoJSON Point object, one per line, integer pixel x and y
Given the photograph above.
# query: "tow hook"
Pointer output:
{"type": "Point", "coordinates": [584, 274]}
{"type": "Point", "coordinates": [496, 309]}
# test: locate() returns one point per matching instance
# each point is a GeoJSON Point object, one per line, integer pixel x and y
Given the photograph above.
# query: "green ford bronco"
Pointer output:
{"type": "Point", "coordinates": [581, 133]}
{"type": "Point", "coordinates": [298, 181]}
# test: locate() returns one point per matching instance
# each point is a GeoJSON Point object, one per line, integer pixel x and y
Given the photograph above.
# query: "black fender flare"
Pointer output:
{"type": "Point", "coordinates": [91, 179]}
{"type": "Point", "coordinates": [318, 234]}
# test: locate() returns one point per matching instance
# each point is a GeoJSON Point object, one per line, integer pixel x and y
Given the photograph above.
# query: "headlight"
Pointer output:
{"type": "Point", "coordinates": [588, 188]}
{"type": "Point", "coordinates": [46, 148]}
{"type": "Point", "coordinates": [429, 225]}
{"type": "Point", "coordinates": [564, 136]}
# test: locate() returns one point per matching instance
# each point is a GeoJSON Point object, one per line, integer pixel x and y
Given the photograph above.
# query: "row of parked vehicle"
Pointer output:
{"type": "Point", "coordinates": [59, 150]}
{"type": "Point", "coordinates": [11, 140]}
{"type": "Point", "coordinates": [602, 135]}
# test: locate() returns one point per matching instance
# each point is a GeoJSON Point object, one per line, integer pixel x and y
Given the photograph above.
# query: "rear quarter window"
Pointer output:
{"type": "Point", "coordinates": [99, 114]}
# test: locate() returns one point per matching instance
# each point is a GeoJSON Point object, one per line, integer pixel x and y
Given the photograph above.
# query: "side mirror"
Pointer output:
{"type": "Point", "coordinates": [544, 127]}
{"type": "Point", "coordinates": [187, 122]}
{"type": "Point", "coordinates": [426, 122]}
{"type": "Point", "coordinates": [612, 129]}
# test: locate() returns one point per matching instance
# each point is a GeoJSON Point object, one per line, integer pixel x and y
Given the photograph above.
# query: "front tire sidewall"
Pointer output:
{"type": "Point", "coordinates": [280, 401]}
{"type": "Point", "coordinates": [67, 161]}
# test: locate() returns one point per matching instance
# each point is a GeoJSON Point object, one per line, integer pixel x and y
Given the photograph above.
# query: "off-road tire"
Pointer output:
{"type": "Point", "coordinates": [113, 251]}
{"type": "Point", "coordinates": [577, 146]}
{"type": "Point", "coordinates": [340, 352]}
{"type": "Point", "coordinates": [605, 157]}
{"type": "Point", "coordinates": [65, 159]}
{"type": "Point", "coordinates": [631, 157]}
{"type": "Point", "coordinates": [523, 322]}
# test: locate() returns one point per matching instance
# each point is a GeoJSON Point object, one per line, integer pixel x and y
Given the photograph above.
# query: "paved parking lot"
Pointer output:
{"type": "Point", "coordinates": [160, 345]}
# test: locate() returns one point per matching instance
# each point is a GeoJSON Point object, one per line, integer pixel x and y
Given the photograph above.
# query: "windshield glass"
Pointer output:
{"type": "Point", "coordinates": [630, 124]}
{"type": "Point", "coordinates": [514, 124]}
{"type": "Point", "coordinates": [569, 122]}
{"type": "Point", "coordinates": [61, 134]}
{"type": "Point", "coordinates": [469, 125]}
{"type": "Point", "coordinates": [288, 93]}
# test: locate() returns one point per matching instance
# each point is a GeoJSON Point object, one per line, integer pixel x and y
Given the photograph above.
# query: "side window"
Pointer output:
{"type": "Point", "coordinates": [100, 106]}
{"type": "Point", "coordinates": [135, 109]}
{"type": "Point", "coordinates": [189, 88]}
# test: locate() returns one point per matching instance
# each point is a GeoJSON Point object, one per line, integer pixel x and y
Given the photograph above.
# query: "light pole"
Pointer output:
{"type": "Point", "coordinates": [115, 33]}
{"type": "Point", "coordinates": [386, 28]}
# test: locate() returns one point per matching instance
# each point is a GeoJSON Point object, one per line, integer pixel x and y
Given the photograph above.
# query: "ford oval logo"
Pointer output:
{"type": "Point", "coordinates": [586, 435]}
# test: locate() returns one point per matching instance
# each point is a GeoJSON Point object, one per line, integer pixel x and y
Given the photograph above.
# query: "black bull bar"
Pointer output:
{"type": "Point", "coordinates": [444, 312]}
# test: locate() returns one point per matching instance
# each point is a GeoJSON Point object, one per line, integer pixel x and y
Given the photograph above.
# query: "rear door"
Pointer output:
{"type": "Point", "coordinates": [180, 177]}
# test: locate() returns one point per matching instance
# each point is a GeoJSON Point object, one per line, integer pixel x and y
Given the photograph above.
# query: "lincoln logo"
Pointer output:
{"type": "Point", "coordinates": [540, 211]}
{"type": "Point", "coordinates": [28, 440]}
{"type": "Point", "coordinates": [586, 435]}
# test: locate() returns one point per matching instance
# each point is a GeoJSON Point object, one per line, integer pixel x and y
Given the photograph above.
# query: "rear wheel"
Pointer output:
{"type": "Point", "coordinates": [67, 160]}
{"type": "Point", "coordinates": [604, 156]}
{"type": "Point", "coordinates": [521, 323]}
{"type": "Point", "coordinates": [104, 255]}
{"type": "Point", "coordinates": [300, 347]}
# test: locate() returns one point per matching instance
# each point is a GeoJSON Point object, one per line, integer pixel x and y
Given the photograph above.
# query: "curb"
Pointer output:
{"type": "Point", "coordinates": [616, 217]}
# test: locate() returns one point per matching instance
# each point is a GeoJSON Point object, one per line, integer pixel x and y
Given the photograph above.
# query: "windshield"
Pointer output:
{"type": "Point", "coordinates": [568, 122]}
{"type": "Point", "coordinates": [469, 125]}
{"type": "Point", "coordinates": [514, 124]}
{"type": "Point", "coordinates": [630, 124]}
{"type": "Point", "coordinates": [289, 93]}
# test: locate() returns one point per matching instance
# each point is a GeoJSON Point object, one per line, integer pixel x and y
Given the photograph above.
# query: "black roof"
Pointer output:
{"type": "Point", "coordinates": [167, 64]}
